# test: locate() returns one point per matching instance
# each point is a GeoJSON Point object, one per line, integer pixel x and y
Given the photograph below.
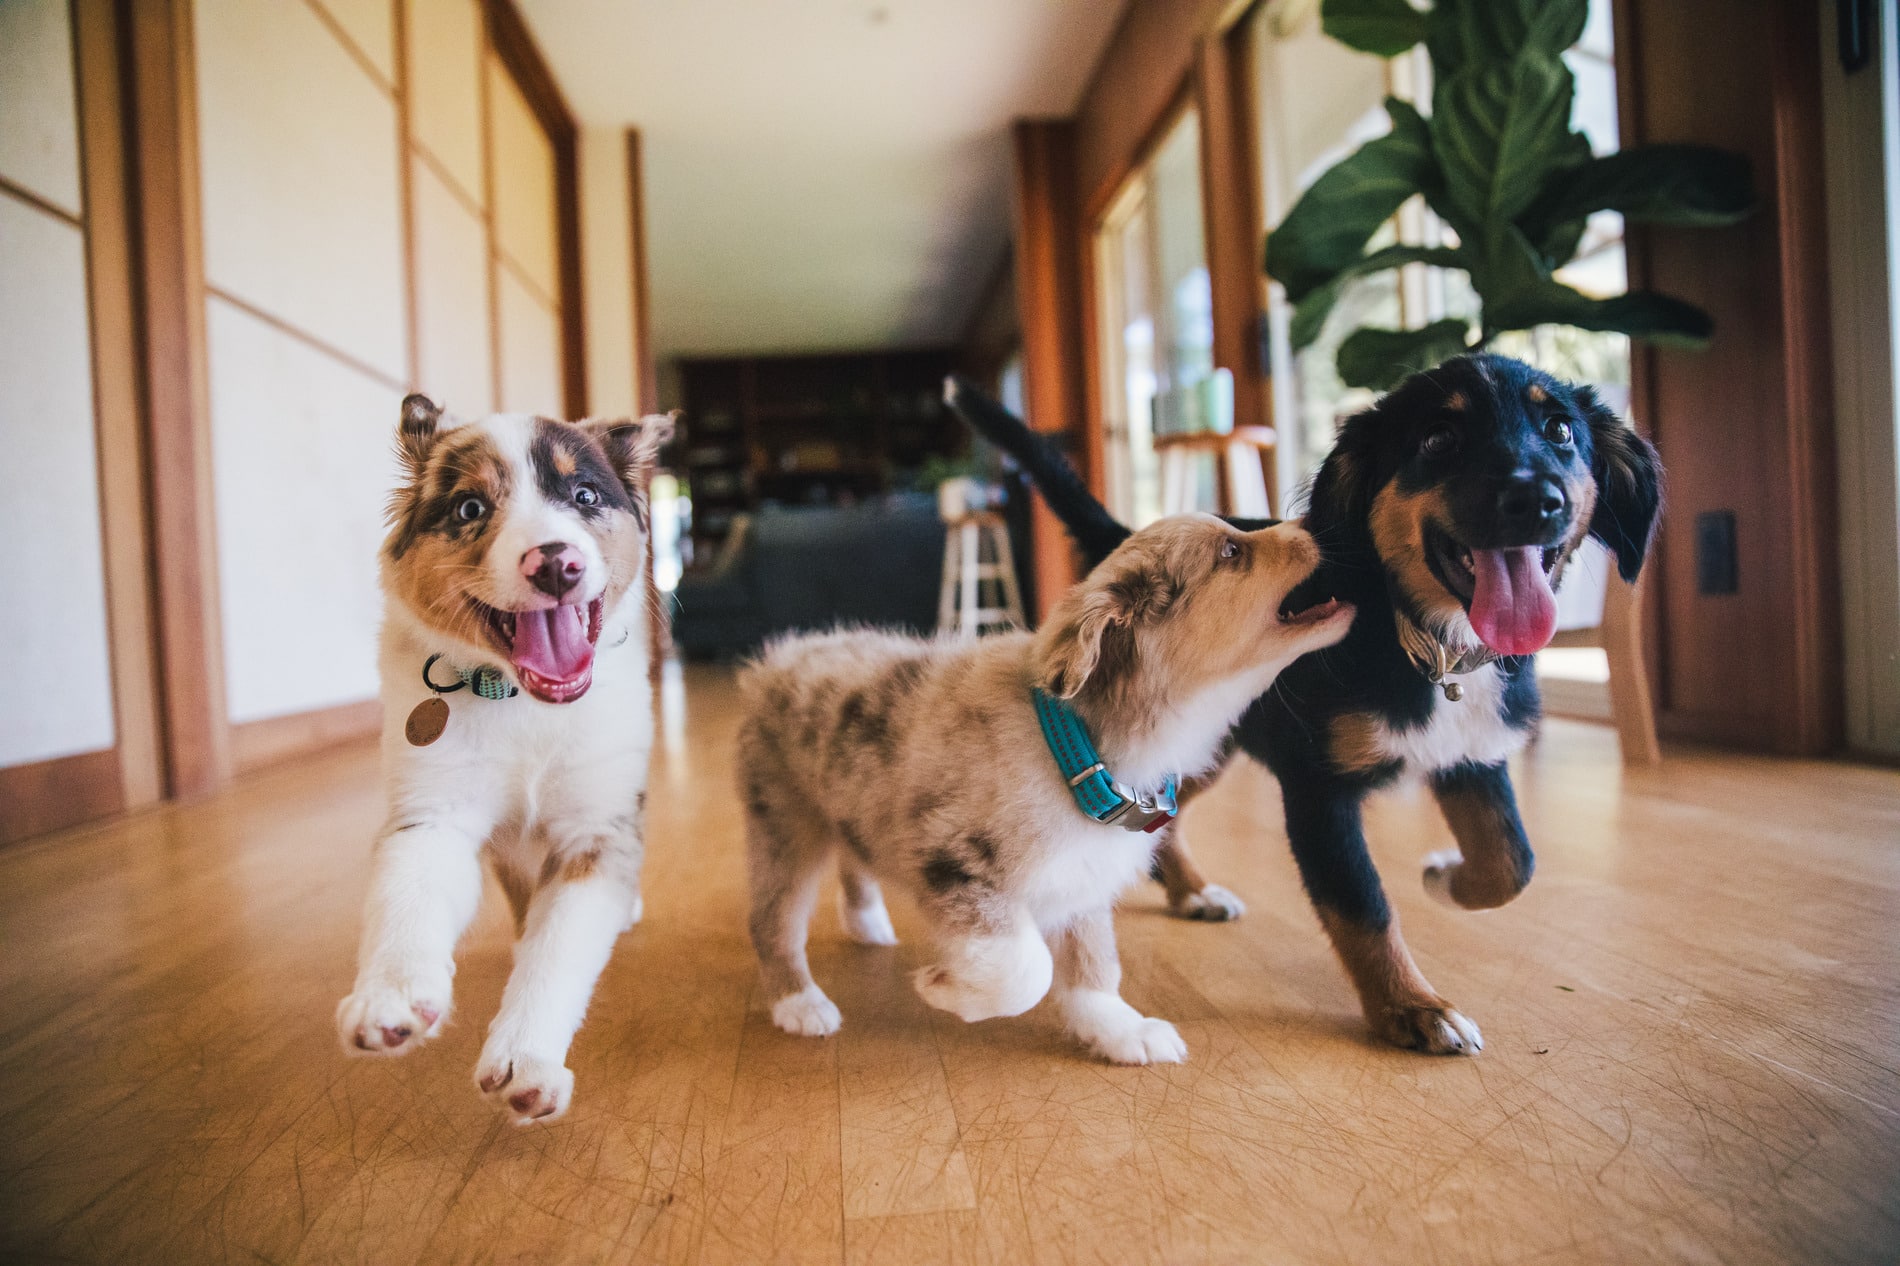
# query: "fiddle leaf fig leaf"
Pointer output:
{"type": "Point", "coordinates": [1381, 359]}
{"type": "Point", "coordinates": [1309, 315]}
{"type": "Point", "coordinates": [1690, 185]}
{"type": "Point", "coordinates": [1464, 33]}
{"type": "Point", "coordinates": [1498, 130]}
{"type": "Point", "coordinates": [1384, 28]}
{"type": "Point", "coordinates": [1334, 219]}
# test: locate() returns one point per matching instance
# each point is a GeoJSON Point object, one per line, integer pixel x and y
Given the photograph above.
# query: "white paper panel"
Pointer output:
{"type": "Point", "coordinates": [524, 181]}
{"type": "Point", "coordinates": [39, 126]}
{"type": "Point", "coordinates": [52, 573]}
{"type": "Point", "coordinates": [530, 351]}
{"type": "Point", "coordinates": [301, 211]}
{"type": "Point", "coordinates": [371, 26]}
{"type": "Point", "coordinates": [451, 299]}
{"type": "Point", "coordinates": [445, 84]}
{"type": "Point", "coordinates": [303, 456]}
{"type": "Point", "coordinates": [607, 281]}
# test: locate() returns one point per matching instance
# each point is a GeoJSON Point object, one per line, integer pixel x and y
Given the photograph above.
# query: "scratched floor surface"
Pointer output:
{"type": "Point", "coordinates": [1691, 1021]}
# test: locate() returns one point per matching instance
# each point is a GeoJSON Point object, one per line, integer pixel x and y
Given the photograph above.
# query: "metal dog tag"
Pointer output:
{"type": "Point", "coordinates": [426, 722]}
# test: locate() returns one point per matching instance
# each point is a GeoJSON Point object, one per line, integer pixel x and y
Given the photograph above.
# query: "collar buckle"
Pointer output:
{"type": "Point", "coordinates": [1142, 811]}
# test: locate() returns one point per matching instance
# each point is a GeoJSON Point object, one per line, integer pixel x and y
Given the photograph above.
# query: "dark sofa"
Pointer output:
{"type": "Point", "coordinates": [878, 563]}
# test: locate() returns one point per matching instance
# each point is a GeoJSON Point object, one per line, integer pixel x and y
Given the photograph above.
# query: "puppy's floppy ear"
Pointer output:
{"type": "Point", "coordinates": [633, 446]}
{"type": "Point", "coordinates": [415, 432]}
{"type": "Point", "coordinates": [1086, 634]}
{"type": "Point", "coordinates": [1629, 485]}
{"type": "Point", "coordinates": [1343, 488]}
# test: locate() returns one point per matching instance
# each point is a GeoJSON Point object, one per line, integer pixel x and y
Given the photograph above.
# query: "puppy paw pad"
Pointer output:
{"type": "Point", "coordinates": [388, 1020]}
{"type": "Point", "coordinates": [1212, 904]}
{"type": "Point", "coordinates": [807, 1013]}
{"type": "Point", "coordinates": [526, 1088]}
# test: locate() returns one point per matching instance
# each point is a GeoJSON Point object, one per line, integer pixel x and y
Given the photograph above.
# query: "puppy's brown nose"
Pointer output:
{"type": "Point", "coordinates": [553, 568]}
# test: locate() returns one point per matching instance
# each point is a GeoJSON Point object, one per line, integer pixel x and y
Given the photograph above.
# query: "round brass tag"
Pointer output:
{"type": "Point", "coordinates": [426, 723]}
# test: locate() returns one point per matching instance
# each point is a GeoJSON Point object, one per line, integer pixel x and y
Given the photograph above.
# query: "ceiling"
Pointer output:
{"type": "Point", "coordinates": [820, 174]}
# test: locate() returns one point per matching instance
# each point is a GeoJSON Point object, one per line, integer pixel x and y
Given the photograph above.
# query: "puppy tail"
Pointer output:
{"type": "Point", "coordinates": [1086, 519]}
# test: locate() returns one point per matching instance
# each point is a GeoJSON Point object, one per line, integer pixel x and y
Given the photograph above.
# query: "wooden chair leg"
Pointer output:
{"type": "Point", "coordinates": [1630, 704]}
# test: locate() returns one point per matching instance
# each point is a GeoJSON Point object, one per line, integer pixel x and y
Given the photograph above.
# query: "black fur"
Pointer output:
{"type": "Point", "coordinates": [1501, 414]}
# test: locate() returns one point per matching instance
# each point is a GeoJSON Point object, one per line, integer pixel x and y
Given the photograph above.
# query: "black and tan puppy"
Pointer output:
{"type": "Point", "coordinates": [1447, 513]}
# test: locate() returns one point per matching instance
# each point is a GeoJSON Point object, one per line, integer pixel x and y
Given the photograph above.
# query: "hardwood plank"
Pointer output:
{"type": "Point", "coordinates": [48, 795]}
{"type": "Point", "coordinates": [1688, 1021]}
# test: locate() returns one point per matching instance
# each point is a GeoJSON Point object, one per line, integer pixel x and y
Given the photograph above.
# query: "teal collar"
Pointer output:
{"type": "Point", "coordinates": [1096, 791]}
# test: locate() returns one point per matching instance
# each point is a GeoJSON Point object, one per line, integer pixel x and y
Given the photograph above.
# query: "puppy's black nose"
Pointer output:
{"type": "Point", "coordinates": [553, 568]}
{"type": "Point", "coordinates": [1531, 503]}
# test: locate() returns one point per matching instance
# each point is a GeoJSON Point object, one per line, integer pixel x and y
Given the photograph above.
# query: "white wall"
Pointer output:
{"type": "Point", "coordinates": [52, 573]}
{"type": "Point", "coordinates": [303, 222]}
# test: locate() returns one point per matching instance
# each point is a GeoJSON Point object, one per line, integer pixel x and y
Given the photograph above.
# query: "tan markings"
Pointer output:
{"type": "Point", "coordinates": [1489, 876]}
{"type": "Point", "coordinates": [1398, 522]}
{"type": "Point", "coordinates": [1458, 402]}
{"type": "Point", "coordinates": [564, 463]}
{"type": "Point", "coordinates": [1537, 394]}
{"type": "Point", "coordinates": [1357, 744]}
{"type": "Point", "coordinates": [1395, 995]}
{"type": "Point", "coordinates": [519, 890]}
{"type": "Point", "coordinates": [580, 866]}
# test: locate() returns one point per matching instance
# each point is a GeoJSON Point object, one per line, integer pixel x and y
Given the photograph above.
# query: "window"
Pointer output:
{"type": "Point", "coordinates": [1157, 321]}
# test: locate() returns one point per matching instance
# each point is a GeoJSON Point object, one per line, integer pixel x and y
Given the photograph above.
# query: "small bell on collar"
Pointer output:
{"type": "Point", "coordinates": [1453, 691]}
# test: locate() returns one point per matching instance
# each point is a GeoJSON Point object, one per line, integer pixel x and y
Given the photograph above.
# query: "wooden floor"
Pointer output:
{"type": "Point", "coordinates": [1691, 1021]}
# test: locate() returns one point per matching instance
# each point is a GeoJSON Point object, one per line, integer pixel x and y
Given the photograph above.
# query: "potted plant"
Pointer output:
{"type": "Point", "coordinates": [1499, 163]}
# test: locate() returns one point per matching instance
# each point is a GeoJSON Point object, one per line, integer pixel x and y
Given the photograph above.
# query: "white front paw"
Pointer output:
{"type": "Point", "coordinates": [1146, 1041]}
{"type": "Point", "coordinates": [527, 1088]}
{"type": "Point", "coordinates": [386, 1019]}
{"type": "Point", "coordinates": [636, 913]}
{"type": "Point", "coordinates": [807, 1013]}
{"type": "Point", "coordinates": [868, 924]}
{"type": "Point", "coordinates": [1212, 904]}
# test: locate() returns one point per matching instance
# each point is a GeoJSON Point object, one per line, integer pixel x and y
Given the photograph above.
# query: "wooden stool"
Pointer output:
{"type": "Point", "coordinates": [967, 540]}
{"type": "Point", "coordinates": [1244, 475]}
{"type": "Point", "coordinates": [1621, 637]}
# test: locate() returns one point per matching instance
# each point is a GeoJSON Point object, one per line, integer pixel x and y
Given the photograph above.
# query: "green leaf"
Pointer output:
{"type": "Point", "coordinates": [1691, 185]}
{"type": "Point", "coordinates": [1380, 359]}
{"type": "Point", "coordinates": [1334, 219]}
{"type": "Point", "coordinates": [1309, 315]}
{"type": "Point", "coordinates": [1558, 242]}
{"type": "Point", "coordinates": [1384, 28]}
{"type": "Point", "coordinates": [1498, 130]}
{"type": "Point", "coordinates": [1462, 33]}
{"type": "Point", "coordinates": [1641, 314]}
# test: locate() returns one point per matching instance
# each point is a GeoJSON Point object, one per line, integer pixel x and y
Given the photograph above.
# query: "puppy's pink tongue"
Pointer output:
{"type": "Point", "coordinates": [1512, 608]}
{"type": "Point", "coordinates": [553, 643]}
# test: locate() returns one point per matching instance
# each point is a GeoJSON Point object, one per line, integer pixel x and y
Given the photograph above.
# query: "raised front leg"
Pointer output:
{"type": "Point", "coordinates": [573, 919]}
{"type": "Point", "coordinates": [1088, 981]}
{"type": "Point", "coordinates": [1493, 861]}
{"type": "Point", "coordinates": [1401, 1007]}
{"type": "Point", "coordinates": [425, 884]}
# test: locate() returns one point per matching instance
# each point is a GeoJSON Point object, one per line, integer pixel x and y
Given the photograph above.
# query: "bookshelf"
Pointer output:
{"type": "Point", "coordinates": [807, 430]}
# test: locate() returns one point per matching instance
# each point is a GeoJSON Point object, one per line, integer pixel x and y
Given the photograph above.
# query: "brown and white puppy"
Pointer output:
{"type": "Point", "coordinates": [925, 762]}
{"type": "Point", "coordinates": [516, 556]}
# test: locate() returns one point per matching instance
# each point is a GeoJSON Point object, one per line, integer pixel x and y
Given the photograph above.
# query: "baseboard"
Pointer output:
{"type": "Point", "coordinates": [51, 795]}
{"type": "Point", "coordinates": [260, 744]}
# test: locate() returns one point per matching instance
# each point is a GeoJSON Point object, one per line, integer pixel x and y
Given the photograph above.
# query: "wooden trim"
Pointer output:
{"type": "Point", "coordinates": [486, 104]}
{"type": "Point", "coordinates": [471, 202]}
{"type": "Point", "coordinates": [515, 49]}
{"type": "Point", "coordinates": [647, 385]}
{"type": "Point", "coordinates": [1232, 226]}
{"type": "Point", "coordinates": [406, 152]}
{"type": "Point", "coordinates": [303, 336]}
{"type": "Point", "coordinates": [1815, 719]}
{"type": "Point", "coordinates": [51, 795]}
{"type": "Point", "coordinates": [1049, 246]}
{"type": "Point", "coordinates": [170, 273]}
{"type": "Point", "coordinates": [363, 60]}
{"type": "Point", "coordinates": [117, 417]}
{"type": "Point", "coordinates": [260, 744]}
{"type": "Point", "coordinates": [31, 199]}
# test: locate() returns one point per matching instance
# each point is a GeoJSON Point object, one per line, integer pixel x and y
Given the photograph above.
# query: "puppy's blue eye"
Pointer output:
{"type": "Point", "coordinates": [586, 495]}
{"type": "Point", "coordinates": [1557, 431]}
{"type": "Point", "coordinates": [469, 509]}
{"type": "Point", "coordinates": [1440, 443]}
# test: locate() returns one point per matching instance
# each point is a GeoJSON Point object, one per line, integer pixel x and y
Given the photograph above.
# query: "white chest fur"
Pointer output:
{"type": "Point", "coordinates": [1470, 729]}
